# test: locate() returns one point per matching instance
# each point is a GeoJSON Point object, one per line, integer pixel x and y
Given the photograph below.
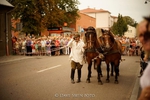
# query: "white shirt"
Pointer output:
{"type": "Point", "coordinates": [145, 79]}
{"type": "Point", "coordinates": [43, 43]}
{"type": "Point", "coordinates": [77, 51]}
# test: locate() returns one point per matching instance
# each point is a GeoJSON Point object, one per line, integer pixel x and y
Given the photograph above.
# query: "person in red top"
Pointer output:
{"type": "Point", "coordinates": [57, 46]}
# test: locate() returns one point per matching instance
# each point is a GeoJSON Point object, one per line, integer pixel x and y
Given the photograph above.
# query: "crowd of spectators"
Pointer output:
{"type": "Point", "coordinates": [56, 45]}
{"type": "Point", "coordinates": [130, 46]}
{"type": "Point", "coordinates": [41, 46]}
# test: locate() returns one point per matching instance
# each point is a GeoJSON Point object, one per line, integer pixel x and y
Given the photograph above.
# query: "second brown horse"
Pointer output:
{"type": "Point", "coordinates": [112, 53]}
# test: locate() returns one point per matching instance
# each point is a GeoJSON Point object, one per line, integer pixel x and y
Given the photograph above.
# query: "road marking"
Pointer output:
{"type": "Point", "coordinates": [48, 68]}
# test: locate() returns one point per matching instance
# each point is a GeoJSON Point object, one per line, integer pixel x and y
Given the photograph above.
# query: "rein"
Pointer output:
{"type": "Point", "coordinates": [111, 46]}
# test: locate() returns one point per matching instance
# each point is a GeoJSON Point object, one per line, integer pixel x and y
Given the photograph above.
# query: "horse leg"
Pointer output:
{"type": "Point", "coordinates": [94, 63]}
{"type": "Point", "coordinates": [89, 72]}
{"type": "Point", "coordinates": [118, 70]}
{"type": "Point", "coordinates": [112, 69]}
{"type": "Point", "coordinates": [116, 73]}
{"type": "Point", "coordinates": [108, 69]}
{"type": "Point", "coordinates": [99, 73]}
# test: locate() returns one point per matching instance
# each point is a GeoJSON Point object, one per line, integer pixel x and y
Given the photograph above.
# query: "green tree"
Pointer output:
{"type": "Point", "coordinates": [130, 21]}
{"type": "Point", "coordinates": [120, 26]}
{"type": "Point", "coordinates": [37, 15]}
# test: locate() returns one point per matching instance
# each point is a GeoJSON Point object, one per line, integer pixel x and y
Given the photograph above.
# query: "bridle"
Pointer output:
{"type": "Point", "coordinates": [105, 45]}
{"type": "Point", "coordinates": [89, 41]}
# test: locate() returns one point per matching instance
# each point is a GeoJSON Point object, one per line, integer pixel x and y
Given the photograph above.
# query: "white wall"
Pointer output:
{"type": "Point", "coordinates": [92, 14]}
{"type": "Point", "coordinates": [131, 33]}
{"type": "Point", "coordinates": [103, 20]}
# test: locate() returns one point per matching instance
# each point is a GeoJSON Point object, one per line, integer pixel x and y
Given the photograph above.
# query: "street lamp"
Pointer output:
{"type": "Point", "coordinates": [147, 1]}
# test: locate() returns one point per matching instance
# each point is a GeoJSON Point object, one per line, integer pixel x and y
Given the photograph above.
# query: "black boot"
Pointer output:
{"type": "Point", "coordinates": [79, 75]}
{"type": "Point", "coordinates": [72, 76]}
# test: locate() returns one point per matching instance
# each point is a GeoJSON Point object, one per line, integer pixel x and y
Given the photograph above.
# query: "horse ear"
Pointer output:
{"type": "Point", "coordinates": [102, 30]}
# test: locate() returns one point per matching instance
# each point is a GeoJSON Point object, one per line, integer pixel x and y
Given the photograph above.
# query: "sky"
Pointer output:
{"type": "Point", "coordinates": [136, 9]}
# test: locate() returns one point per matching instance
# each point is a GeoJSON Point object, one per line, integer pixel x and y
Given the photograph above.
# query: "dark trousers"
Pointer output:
{"type": "Point", "coordinates": [75, 65]}
{"type": "Point", "coordinates": [29, 50]}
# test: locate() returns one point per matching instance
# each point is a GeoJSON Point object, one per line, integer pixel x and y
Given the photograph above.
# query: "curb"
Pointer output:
{"type": "Point", "coordinates": [16, 59]}
{"type": "Point", "coordinates": [136, 90]}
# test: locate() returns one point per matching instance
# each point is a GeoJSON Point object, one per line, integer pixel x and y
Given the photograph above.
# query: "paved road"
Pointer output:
{"type": "Point", "coordinates": [48, 78]}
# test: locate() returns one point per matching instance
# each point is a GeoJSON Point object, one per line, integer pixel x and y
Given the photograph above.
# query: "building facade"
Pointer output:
{"type": "Point", "coordinates": [131, 32]}
{"type": "Point", "coordinates": [103, 17]}
{"type": "Point", "coordinates": [83, 22]}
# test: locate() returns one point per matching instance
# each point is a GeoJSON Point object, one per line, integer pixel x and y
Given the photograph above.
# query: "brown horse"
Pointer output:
{"type": "Point", "coordinates": [92, 52]}
{"type": "Point", "coordinates": [112, 53]}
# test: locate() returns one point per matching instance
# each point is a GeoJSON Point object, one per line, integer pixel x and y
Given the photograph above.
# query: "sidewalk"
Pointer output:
{"type": "Point", "coordinates": [5, 59]}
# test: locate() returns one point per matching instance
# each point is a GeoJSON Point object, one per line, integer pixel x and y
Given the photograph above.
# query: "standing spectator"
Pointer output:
{"type": "Point", "coordinates": [39, 47]}
{"type": "Point", "coordinates": [14, 39]}
{"type": "Point", "coordinates": [23, 50]}
{"type": "Point", "coordinates": [57, 45]}
{"type": "Point", "coordinates": [20, 45]}
{"type": "Point", "coordinates": [61, 45]}
{"type": "Point", "coordinates": [33, 48]}
{"type": "Point", "coordinates": [48, 48]}
{"type": "Point", "coordinates": [17, 45]}
{"type": "Point", "coordinates": [28, 46]}
{"type": "Point", "coordinates": [137, 46]}
{"type": "Point", "coordinates": [43, 46]}
{"type": "Point", "coordinates": [53, 46]}
{"type": "Point", "coordinates": [76, 56]}
{"type": "Point", "coordinates": [67, 49]}
{"type": "Point", "coordinates": [36, 47]}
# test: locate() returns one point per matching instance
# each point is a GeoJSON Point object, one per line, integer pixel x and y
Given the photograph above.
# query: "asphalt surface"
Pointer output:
{"type": "Point", "coordinates": [48, 78]}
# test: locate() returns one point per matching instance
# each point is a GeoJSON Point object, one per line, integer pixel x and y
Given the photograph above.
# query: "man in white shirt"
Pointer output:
{"type": "Point", "coordinates": [76, 56]}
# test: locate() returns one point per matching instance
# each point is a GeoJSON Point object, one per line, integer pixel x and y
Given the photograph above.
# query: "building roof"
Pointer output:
{"type": "Point", "coordinates": [5, 3]}
{"type": "Point", "coordinates": [90, 10]}
{"type": "Point", "coordinates": [86, 15]}
{"type": "Point", "coordinates": [114, 16]}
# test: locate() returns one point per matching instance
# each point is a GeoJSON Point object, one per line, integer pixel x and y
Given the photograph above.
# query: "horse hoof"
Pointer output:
{"type": "Point", "coordinates": [116, 82]}
{"type": "Point", "coordinates": [107, 80]}
{"type": "Point", "coordinates": [100, 83]}
{"type": "Point", "coordinates": [87, 81]}
{"type": "Point", "coordinates": [111, 74]}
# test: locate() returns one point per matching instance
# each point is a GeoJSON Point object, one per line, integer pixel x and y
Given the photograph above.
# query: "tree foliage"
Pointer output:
{"type": "Point", "coordinates": [120, 26]}
{"type": "Point", "coordinates": [37, 15]}
{"type": "Point", "coordinates": [130, 21]}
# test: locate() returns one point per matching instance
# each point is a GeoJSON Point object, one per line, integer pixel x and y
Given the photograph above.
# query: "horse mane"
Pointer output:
{"type": "Point", "coordinates": [112, 37]}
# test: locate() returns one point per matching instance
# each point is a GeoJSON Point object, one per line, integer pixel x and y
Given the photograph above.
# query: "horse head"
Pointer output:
{"type": "Point", "coordinates": [91, 38]}
{"type": "Point", "coordinates": [107, 39]}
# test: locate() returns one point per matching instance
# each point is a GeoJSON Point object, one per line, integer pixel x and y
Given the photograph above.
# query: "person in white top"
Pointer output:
{"type": "Point", "coordinates": [43, 45]}
{"type": "Point", "coordinates": [76, 56]}
{"type": "Point", "coordinates": [143, 30]}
